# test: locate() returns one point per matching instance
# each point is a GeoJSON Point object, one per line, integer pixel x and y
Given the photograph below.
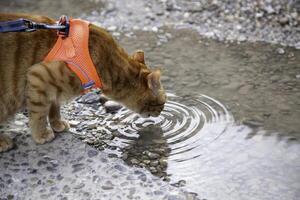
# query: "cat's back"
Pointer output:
{"type": "Point", "coordinates": [19, 51]}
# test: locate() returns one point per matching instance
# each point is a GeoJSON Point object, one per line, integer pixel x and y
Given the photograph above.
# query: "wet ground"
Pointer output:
{"type": "Point", "coordinates": [230, 129]}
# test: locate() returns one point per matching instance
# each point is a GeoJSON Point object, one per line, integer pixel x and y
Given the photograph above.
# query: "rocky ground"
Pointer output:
{"type": "Point", "coordinates": [273, 21]}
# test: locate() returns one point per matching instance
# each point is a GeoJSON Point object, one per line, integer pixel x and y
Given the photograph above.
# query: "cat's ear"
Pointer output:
{"type": "Point", "coordinates": [139, 56]}
{"type": "Point", "coordinates": [153, 80]}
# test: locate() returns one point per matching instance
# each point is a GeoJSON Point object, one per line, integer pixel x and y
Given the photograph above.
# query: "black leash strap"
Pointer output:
{"type": "Point", "coordinates": [25, 25]}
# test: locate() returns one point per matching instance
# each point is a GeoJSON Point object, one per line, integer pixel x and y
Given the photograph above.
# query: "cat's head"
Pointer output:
{"type": "Point", "coordinates": [144, 93]}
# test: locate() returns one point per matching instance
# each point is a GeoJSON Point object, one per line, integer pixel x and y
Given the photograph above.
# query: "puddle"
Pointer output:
{"type": "Point", "coordinates": [197, 145]}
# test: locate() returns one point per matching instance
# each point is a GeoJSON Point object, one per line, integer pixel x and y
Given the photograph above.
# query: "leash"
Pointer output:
{"type": "Point", "coordinates": [25, 25]}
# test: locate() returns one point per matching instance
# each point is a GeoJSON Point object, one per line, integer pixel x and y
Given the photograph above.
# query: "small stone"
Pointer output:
{"type": "Point", "coordinates": [108, 186]}
{"type": "Point", "coordinates": [19, 123]}
{"type": "Point", "coordinates": [154, 163]}
{"type": "Point", "coordinates": [89, 98]}
{"type": "Point", "coordinates": [103, 99]}
{"type": "Point", "coordinates": [92, 124]}
{"type": "Point", "coordinates": [163, 162]}
{"type": "Point", "coordinates": [283, 20]}
{"type": "Point", "coordinates": [298, 76]}
{"type": "Point", "coordinates": [152, 156]}
{"type": "Point", "coordinates": [112, 28]}
{"type": "Point", "coordinates": [77, 167]}
{"type": "Point", "coordinates": [275, 78]}
{"type": "Point", "coordinates": [112, 107]}
{"type": "Point", "coordinates": [280, 51]}
{"type": "Point", "coordinates": [92, 153]}
{"type": "Point", "coordinates": [147, 162]}
{"type": "Point", "coordinates": [116, 34]}
{"type": "Point", "coordinates": [112, 155]}
{"type": "Point", "coordinates": [269, 9]}
{"type": "Point", "coordinates": [252, 123]}
{"type": "Point", "coordinates": [134, 161]}
{"type": "Point", "coordinates": [120, 168]}
{"type": "Point", "coordinates": [66, 189]}
{"type": "Point", "coordinates": [181, 183]}
{"type": "Point", "coordinates": [154, 29]}
{"type": "Point", "coordinates": [175, 197]}
{"type": "Point", "coordinates": [74, 123]}
{"type": "Point", "coordinates": [291, 55]}
{"type": "Point", "coordinates": [79, 186]}
{"type": "Point", "coordinates": [124, 156]}
{"type": "Point", "coordinates": [152, 169]}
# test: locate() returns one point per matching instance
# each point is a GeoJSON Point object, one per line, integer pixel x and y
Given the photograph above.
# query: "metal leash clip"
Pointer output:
{"type": "Point", "coordinates": [65, 22]}
{"type": "Point", "coordinates": [25, 25]}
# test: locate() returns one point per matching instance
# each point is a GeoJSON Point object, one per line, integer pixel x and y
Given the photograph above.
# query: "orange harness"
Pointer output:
{"type": "Point", "coordinates": [74, 51]}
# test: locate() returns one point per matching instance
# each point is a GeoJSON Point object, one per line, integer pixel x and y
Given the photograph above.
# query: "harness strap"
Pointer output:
{"type": "Point", "coordinates": [74, 50]}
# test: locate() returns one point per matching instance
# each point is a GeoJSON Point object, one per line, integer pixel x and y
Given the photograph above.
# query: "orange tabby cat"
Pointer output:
{"type": "Point", "coordinates": [26, 80]}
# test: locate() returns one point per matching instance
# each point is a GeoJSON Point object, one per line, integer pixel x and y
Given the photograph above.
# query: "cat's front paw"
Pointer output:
{"type": "Point", "coordinates": [59, 126]}
{"type": "Point", "coordinates": [43, 137]}
{"type": "Point", "coordinates": [6, 143]}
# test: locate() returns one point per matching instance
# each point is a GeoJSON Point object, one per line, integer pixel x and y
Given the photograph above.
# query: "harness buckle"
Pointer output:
{"type": "Point", "coordinates": [64, 21]}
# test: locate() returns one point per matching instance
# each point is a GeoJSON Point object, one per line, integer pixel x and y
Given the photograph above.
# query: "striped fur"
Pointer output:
{"type": "Point", "coordinates": [25, 80]}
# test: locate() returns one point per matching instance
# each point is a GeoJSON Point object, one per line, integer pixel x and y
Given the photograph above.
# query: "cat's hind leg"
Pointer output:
{"type": "Point", "coordinates": [6, 142]}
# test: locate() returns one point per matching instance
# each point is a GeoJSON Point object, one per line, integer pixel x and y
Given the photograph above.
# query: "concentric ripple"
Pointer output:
{"type": "Point", "coordinates": [185, 126]}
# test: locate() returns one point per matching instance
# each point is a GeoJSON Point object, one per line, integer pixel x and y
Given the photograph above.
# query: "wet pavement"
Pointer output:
{"type": "Point", "coordinates": [68, 169]}
{"type": "Point", "coordinates": [230, 129]}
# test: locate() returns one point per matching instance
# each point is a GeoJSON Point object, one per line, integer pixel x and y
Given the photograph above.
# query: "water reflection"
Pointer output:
{"type": "Point", "coordinates": [150, 150]}
{"type": "Point", "coordinates": [196, 144]}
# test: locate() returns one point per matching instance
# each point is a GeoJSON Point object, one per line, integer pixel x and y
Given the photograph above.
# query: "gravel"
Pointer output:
{"type": "Point", "coordinates": [272, 21]}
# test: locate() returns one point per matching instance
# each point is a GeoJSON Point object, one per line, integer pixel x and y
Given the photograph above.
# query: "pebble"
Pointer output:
{"type": "Point", "coordinates": [92, 124]}
{"type": "Point", "coordinates": [92, 153]}
{"type": "Point", "coordinates": [163, 162]}
{"type": "Point", "coordinates": [74, 123]}
{"type": "Point", "coordinates": [89, 98]}
{"type": "Point", "coordinates": [275, 78]}
{"type": "Point", "coordinates": [112, 28]}
{"type": "Point", "coordinates": [134, 161]}
{"type": "Point", "coordinates": [66, 189]}
{"type": "Point", "coordinates": [108, 186]}
{"type": "Point", "coordinates": [19, 123]}
{"type": "Point", "coordinates": [111, 106]}
{"type": "Point", "coordinates": [283, 20]}
{"type": "Point", "coordinates": [152, 155]}
{"type": "Point", "coordinates": [280, 51]}
{"type": "Point", "coordinates": [79, 186]}
{"type": "Point", "coordinates": [155, 29]}
{"type": "Point", "coordinates": [154, 163]}
{"type": "Point", "coordinates": [252, 123]}
{"type": "Point", "coordinates": [147, 162]}
{"type": "Point", "coordinates": [103, 99]}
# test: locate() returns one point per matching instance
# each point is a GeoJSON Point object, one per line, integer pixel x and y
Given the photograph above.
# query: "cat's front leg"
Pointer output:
{"type": "Point", "coordinates": [41, 91]}
{"type": "Point", "coordinates": [57, 123]}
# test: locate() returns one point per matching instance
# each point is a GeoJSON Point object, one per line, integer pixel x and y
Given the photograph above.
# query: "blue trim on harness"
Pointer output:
{"type": "Point", "coordinates": [88, 85]}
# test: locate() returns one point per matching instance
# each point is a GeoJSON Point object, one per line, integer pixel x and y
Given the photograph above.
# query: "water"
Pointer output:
{"type": "Point", "coordinates": [207, 152]}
